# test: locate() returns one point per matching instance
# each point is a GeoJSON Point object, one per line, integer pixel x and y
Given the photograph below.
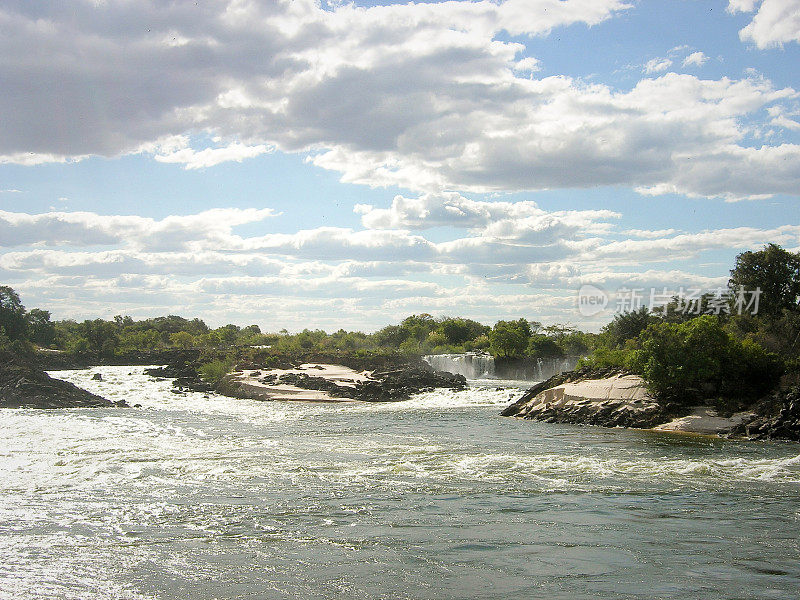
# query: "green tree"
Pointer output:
{"type": "Point", "coordinates": [543, 346]}
{"type": "Point", "coordinates": [40, 329]}
{"type": "Point", "coordinates": [773, 270]}
{"type": "Point", "coordinates": [509, 339]}
{"type": "Point", "coordinates": [12, 314]}
{"type": "Point", "coordinates": [627, 326]}
{"type": "Point", "coordinates": [182, 339]}
{"type": "Point", "coordinates": [457, 330]}
{"type": "Point", "coordinates": [102, 336]}
{"type": "Point", "coordinates": [687, 362]}
{"type": "Point", "coordinates": [391, 336]}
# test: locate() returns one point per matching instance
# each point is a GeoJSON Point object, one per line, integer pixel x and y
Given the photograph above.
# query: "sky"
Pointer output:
{"type": "Point", "coordinates": [300, 164]}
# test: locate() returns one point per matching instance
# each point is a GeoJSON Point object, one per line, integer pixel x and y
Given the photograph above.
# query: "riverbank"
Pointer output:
{"type": "Point", "coordinates": [615, 398]}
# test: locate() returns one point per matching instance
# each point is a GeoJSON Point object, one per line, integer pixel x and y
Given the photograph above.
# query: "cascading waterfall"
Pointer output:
{"type": "Point", "coordinates": [472, 365]}
{"type": "Point", "coordinates": [477, 365]}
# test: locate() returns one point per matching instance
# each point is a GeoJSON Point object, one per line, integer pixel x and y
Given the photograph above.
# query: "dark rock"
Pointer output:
{"type": "Point", "coordinates": [385, 386]}
{"type": "Point", "coordinates": [23, 385]}
{"type": "Point", "coordinates": [777, 417]}
{"type": "Point", "coordinates": [401, 384]}
{"type": "Point", "coordinates": [97, 377]}
{"type": "Point", "coordinates": [185, 375]}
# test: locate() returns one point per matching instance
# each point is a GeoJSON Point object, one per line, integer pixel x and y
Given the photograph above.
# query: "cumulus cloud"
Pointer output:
{"type": "Point", "coordinates": [775, 23]}
{"type": "Point", "coordinates": [454, 210]}
{"type": "Point", "coordinates": [507, 259]}
{"type": "Point", "coordinates": [208, 157]}
{"type": "Point", "coordinates": [442, 104]}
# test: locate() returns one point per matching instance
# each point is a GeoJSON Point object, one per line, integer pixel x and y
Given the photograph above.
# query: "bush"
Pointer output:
{"type": "Point", "coordinates": [543, 346]}
{"type": "Point", "coordinates": [214, 371]}
{"type": "Point", "coordinates": [691, 361]}
{"type": "Point", "coordinates": [607, 357]}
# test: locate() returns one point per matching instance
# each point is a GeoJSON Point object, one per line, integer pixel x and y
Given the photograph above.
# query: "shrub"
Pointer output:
{"type": "Point", "coordinates": [214, 371]}
{"type": "Point", "coordinates": [607, 357]}
{"type": "Point", "coordinates": [690, 361]}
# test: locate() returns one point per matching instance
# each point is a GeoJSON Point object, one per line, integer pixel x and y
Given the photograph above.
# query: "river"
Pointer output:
{"type": "Point", "coordinates": [200, 498]}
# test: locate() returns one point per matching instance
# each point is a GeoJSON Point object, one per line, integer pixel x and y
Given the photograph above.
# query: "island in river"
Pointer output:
{"type": "Point", "coordinates": [616, 398]}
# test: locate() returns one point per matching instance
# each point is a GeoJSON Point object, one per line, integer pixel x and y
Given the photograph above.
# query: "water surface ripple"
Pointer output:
{"type": "Point", "coordinates": [439, 497]}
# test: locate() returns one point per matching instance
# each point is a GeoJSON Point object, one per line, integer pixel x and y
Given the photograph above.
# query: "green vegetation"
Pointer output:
{"type": "Point", "coordinates": [415, 335]}
{"type": "Point", "coordinates": [688, 356]}
{"type": "Point", "coordinates": [213, 371]}
{"type": "Point", "coordinates": [683, 355]}
{"type": "Point", "coordinates": [699, 358]}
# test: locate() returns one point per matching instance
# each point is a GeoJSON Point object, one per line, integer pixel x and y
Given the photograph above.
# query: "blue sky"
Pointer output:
{"type": "Point", "coordinates": [298, 165]}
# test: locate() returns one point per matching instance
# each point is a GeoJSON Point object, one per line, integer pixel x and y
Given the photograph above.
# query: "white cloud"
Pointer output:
{"type": "Point", "coordinates": [657, 65]}
{"type": "Point", "coordinates": [688, 245]}
{"type": "Point", "coordinates": [528, 64]}
{"type": "Point", "coordinates": [91, 229]}
{"type": "Point", "coordinates": [512, 258]}
{"type": "Point", "coordinates": [442, 103]}
{"type": "Point", "coordinates": [735, 6]}
{"type": "Point", "coordinates": [697, 59]}
{"type": "Point", "coordinates": [495, 218]}
{"type": "Point", "coordinates": [208, 157]}
{"type": "Point", "coordinates": [650, 234]}
{"type": "Point", "coordinates": [775, 23]}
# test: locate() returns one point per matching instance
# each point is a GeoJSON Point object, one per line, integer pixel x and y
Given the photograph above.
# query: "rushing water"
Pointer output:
{"type": "Point", "coordinates": [438, 497]}
{"type": "Point", "coordinates": [479, 365]}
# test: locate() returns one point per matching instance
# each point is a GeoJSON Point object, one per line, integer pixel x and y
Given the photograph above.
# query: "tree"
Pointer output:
{"type": "Point", "coordinates": [773, 270]}
{"type": "Point", "coordinates": [40, 329]}
{"type": "Point", "coordinates": [391, 336]}
{"type": "Point", "coordinates": [687, 362]}
{"type": "Point", "coordinates": [509, 339]}
{"type": "Point", "coordinates": [543, 346]}
{"type": "Point", "coordinates": [457, 330]}
{"type": "Point", "coordinates": [12, 314]}
{"type": "Point", "coordinates": [102, 336]}
{"type": "Point", "coordinates": [182, 339]}
{"type": "Point", "coordinates": [627, 326]}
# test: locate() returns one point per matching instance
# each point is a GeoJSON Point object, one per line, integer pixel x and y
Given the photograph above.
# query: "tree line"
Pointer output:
{"type": "Point", "coordinates": [414, 335]}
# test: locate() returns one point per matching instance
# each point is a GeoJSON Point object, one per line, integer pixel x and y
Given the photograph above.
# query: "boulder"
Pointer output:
{"type": "Point", "coordinates": [23, 385]}
{"type": "Point", "coordinates": [609, 398]}
{"type": "Point", "coordinates": [777, 417]}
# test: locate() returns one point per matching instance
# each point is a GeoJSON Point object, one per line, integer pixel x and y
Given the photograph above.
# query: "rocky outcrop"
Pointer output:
{"type": "Point", "coordinates": [614, 398]}
{"type": "Point", "coordinates": [401, 384]}
{"type": "Point", "coordinates": [54, 360]}
{"type": "Point", "coordinates": [706, 420]}
{"type": "Point", "coordinates": [330, 383]}
{"type": "Point", "coordinates": [184, 374]}
{"type": "Point", "coordinates": [609, 398]}
{"type": "Point", "coordinates": [24, 386]}
{"type": "Point", "coordinates": [777, 417]}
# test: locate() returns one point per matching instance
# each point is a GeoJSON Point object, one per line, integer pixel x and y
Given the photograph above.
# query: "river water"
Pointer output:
{"type": "Point", "coordinates": [438, 497]}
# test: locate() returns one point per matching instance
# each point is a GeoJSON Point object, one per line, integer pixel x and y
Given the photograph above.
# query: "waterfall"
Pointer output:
{"type": "Point", "coordinates": [472, 365]}
{"type": "Point", "coordinates": [478, 365]}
